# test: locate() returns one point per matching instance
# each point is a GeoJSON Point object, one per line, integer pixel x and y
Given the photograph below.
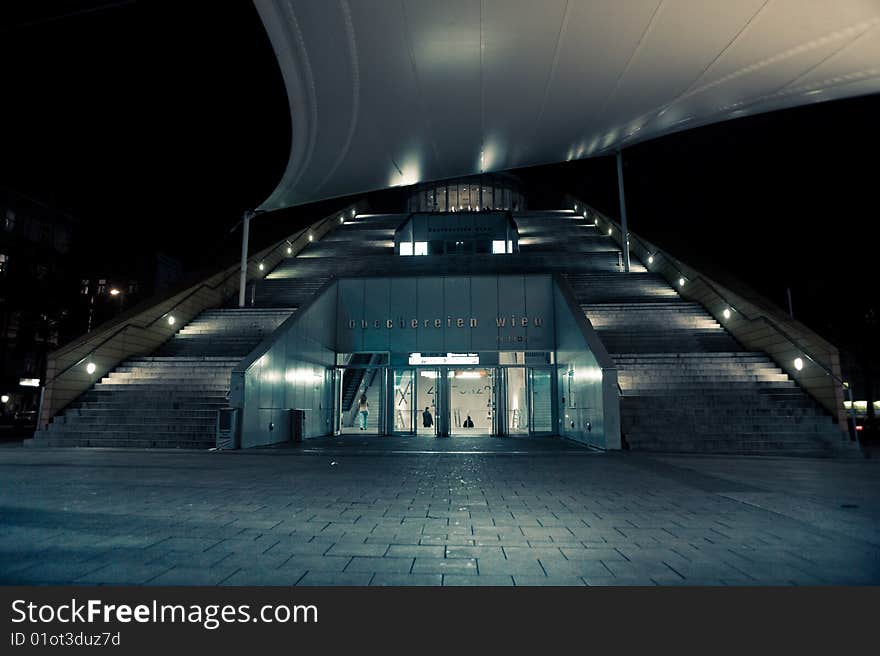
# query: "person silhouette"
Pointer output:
{"type": "Point", "coordinates": [364, 410]}
{"type": "Point", "coordinates": [468, 423]}
{"type": "Point", "coordinates": [427, 419]}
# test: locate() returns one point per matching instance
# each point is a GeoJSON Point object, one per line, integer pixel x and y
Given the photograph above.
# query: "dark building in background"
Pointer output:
{"type": "Point", "coordinates": [36, 294]}
{"type": "Point", "coordinates": [110, 286]}
{"type": "Point", "coordinates": [53, 289]}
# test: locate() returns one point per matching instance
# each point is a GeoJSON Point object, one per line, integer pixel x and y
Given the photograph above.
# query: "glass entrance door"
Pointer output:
{"type": "Point", "coordinates": [472, 401]}
{"type": "Point", "coordinates": [427, 401]}
{"type": "Point", "coordinates": [516, 401]}
{"type": "Point", "coordinates": [402, 408]}
{"type": "Point", "coordinates": [541, 401]}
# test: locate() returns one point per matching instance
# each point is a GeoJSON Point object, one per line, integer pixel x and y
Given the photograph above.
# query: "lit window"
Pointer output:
{"type": "Point", "coordinates": [498, 246]}
{"type": "Point", "coordinates": [102, 285]}
{"type": "Point", "coordinates": [421, 248]}
{"type": "Point", "coordinates": [406, 248]}
{"type": "Point", "coordinates": [510, 246]}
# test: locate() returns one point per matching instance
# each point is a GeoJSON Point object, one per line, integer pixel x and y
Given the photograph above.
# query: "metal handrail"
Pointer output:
{"type": "Point", "coordinates": [283, 243]}
{"type": "Point", "coordinates": [759, 317]}
{"type": "Point", "coordinates": [132, 324]}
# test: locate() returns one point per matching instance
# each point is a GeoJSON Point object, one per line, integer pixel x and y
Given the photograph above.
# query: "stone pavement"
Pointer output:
{"type": "Point", "coordinates": [553, 517]}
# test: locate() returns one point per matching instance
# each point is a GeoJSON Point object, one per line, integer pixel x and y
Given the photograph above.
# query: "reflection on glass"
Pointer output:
{"type": "Point", "coordinates": [517, 412]}
{"type": "Point", "coordinates": [426, 402]}
{"type": "Point", "coordinates": [542, 409]}
{"type": "Point", "coordinates": [403, 396]}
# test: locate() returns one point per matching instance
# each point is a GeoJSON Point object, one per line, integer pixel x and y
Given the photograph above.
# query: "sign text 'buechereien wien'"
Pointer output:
{"type": "Point", "coordinates": [512, 321]}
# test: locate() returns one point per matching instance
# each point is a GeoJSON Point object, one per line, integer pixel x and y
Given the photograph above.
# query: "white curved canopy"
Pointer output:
{"type": "Point", "coordinates": [393, 92]}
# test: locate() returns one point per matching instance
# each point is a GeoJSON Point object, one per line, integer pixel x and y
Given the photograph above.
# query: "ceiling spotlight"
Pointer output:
{"type": "Point", "coordinates": [726, 313]}
{"type": "Point", "coordinates": [609, 232]}
{"type": "Point", "coordinates": [681, 282]}
{"type": "Point", "coordinates": [798, 364]}
{"type": "Point", "coordinates": [311, 238]}
{"type": "Point", "coordinates": [4, 398]}
{"type": "Point", "coordinates": [289, 250]}
{"type": "Point", "coordinates": [261, 266]}
{"type": "Point", "coordinates": [90, 368]}
{"type": "Point", "coordinates": [650, 259]}
{"type": "Point", "coordinates": [171, 320]}
{"type": "Point", "coordinates": [341, 219]}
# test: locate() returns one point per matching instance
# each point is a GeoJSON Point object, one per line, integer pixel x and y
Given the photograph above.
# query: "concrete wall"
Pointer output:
{"type": "Point", "coordinates": [289, 370]}
{"type": "Point", "coordinates": [589, 404]}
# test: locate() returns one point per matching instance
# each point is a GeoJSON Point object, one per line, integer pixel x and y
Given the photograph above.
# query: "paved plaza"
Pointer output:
{"type": "Point", "coordinates": [327, 513]}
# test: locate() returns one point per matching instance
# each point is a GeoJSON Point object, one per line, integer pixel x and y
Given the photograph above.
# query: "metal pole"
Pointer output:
{"type": "Point", "coordinates": [245, 230]}
{"type": "Point", "coordinates": [43, 392]}
{"type": "Point", "coordinates": [625, 236]}
{"type": "Point", "coordinates": [854, 435]}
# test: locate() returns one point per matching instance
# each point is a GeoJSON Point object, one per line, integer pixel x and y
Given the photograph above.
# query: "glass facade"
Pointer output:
{"type": "Point", "coordinates": [493, 191]}
{"type": "Point", "coordinates": [471, 401]}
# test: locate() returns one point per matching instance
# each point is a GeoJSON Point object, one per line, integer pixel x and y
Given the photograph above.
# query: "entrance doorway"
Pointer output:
{"type": "Point", "coordinates": [359, 397]}
{"type": "Point", "coordinates": [529, 400]}
{"type": "Point", "coordinates": [472, 402]}
{"type": "Point", "coordinates": [449, 401]}
{"type": "Point", "coordinates": [427, 401]}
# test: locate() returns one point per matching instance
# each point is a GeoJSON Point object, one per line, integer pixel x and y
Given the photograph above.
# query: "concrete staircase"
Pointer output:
{"type": "Point", "coordinates": [169, 399]}
{"type": "Point", "coordinates": [687, 385]}
{"type": "Point", "coordinates": [297, 279]}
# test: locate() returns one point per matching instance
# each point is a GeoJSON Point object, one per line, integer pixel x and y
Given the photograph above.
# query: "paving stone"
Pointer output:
{"type": "Point", "coordinates": [381, 564]}
{"type": "Point", "coordinates": [620, 581]}
{"type": "Point", "coordinates": [417, 550]}
{"type": "Point", "coordinates": [122, 573]}
{"type": "Point", "coordinates": [445, 566]}
{"type": "Point", "coordinates": [354, 579]}
{"type": "Point", "coordinates": [452, 580]}
{"type": "Point", "coordinates": [388, 579]}
{"type": "Point", "coordinates": [264, 577]}
{"type": "Point", "coordinates": [631, 513]}
{"type": "Point", "coordinates": [193, 576]}
{"type": "Point", "coordinates": [313, 562]}
{"type": "Point", "coordinates": [357, 549]}
{"type": "Point", "coordinates": [494, 566]}
{"type": "Point", "coordinates": [567, 581]}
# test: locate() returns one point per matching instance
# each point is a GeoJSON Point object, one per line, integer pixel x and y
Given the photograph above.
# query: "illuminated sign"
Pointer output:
{"type": "Point", "coordinates": [449, 358]}
{"type": "Point", "coordinates": [29, 382]}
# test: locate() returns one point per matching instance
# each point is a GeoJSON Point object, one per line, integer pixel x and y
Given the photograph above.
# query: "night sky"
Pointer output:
{"type": "Point", "coordinates": [157, 123]}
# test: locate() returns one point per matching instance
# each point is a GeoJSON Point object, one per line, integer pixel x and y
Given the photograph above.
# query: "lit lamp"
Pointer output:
{"type": "Point", "coordinates": [115, 292]}
{"type": "Point", "coordinates": [4, 398]}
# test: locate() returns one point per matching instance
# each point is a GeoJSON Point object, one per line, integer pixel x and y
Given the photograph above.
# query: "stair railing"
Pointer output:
{"type": "Point", "coordinates": [684, 278]}
{"type": "Point", "coordinates": [147, 325]}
